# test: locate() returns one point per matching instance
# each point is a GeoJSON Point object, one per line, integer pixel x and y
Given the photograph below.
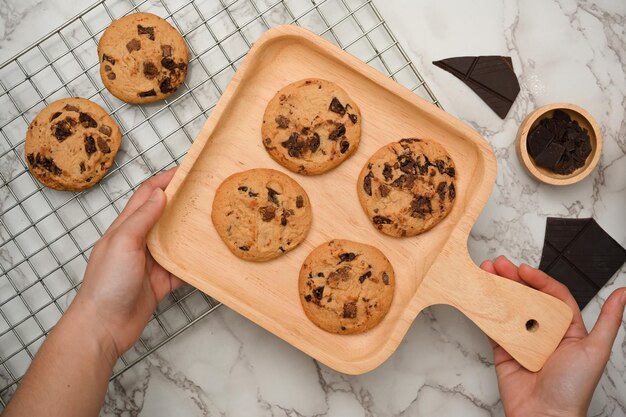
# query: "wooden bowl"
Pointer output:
{"type": "Point", "coordinates": [584, 119]}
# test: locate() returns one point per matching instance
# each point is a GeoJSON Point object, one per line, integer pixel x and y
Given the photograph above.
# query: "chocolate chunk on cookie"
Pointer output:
{"type": "Point", "coordinates": [311, 126]}
{"type": "Point", "coordinates": [71, 144]}
{"type": "Point", "coordinates": [346, 287]}
{"type": "Point", "coordinates": [261, 214]}
{"type": "Point", "coordinates": [407, 187]}
{"type": "Point", "coordinates": [142, 58]}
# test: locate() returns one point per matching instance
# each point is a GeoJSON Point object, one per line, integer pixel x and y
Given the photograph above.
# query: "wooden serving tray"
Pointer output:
{"type": "Point", "coordinates": [432, 268]}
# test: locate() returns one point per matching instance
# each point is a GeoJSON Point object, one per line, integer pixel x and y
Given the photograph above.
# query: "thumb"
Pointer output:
{"type": "Point", "coordinates": [141, 221]}
{"type": "Point", "coordinates": [609, 321]}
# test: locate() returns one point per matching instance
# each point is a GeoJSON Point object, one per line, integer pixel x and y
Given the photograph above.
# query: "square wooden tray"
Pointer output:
{"type": "Point", "coordinates": [431, 268]}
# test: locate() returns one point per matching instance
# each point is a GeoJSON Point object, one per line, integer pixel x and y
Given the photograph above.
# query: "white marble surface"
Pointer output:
{"type": "Point", "coordinates": [562, 51]}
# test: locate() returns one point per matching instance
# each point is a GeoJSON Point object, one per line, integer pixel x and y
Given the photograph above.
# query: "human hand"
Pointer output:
{"type": "Point", "coordinates": [565, 385]}
{"type": "Point", "coordinates": [123, 283]}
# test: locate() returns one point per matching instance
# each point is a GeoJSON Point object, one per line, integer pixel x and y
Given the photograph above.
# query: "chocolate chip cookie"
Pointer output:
{"type": "Point", "coordinates": [261, 214]}
{"type": "Point", "coordinates": [142, 58]}
{"type": "Point", "coordinates": [71, 144]}
{"type": "Point", "coordinates": [407, 187]}
{"type": "Point", "coordinates": [311, 126]}
{"type": "Point", "coordinates": [346, 287]}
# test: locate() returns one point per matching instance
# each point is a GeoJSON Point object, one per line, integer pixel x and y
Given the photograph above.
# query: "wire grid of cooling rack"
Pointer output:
{"type": "Point", "coordinates": [46, 236]}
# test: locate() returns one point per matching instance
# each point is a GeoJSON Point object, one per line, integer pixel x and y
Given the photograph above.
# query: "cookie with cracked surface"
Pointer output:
{"type": "Point", "coordinates": [311, 126]}
{"type": "Point", "coordinates": [71, 144]}
{"type": "Point", "coordinates": [346, 287]}
{"type": "Point", "coordinates": [407, 187]}
{"type": "Point", "coordinates": [261, 214]}
{"type": "Point", "coordinates": [142, 58]}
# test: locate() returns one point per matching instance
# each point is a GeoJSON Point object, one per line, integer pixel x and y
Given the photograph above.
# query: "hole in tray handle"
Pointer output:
{"type": "Point", "coordinates": [532, 325]}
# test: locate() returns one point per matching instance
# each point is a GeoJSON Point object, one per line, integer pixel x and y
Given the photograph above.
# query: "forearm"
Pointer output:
{"type": "Point", "coordinates": [70, 373]}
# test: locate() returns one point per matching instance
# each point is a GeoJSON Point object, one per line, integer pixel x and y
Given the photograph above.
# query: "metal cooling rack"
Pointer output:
{"type": "Point", "coordinates": [46, 236]}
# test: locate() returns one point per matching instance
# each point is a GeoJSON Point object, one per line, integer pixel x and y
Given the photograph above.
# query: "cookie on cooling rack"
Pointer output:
{"type": "Point", "coordinates": [142, 58]}
{"type": "Point", "coordinates": [346, 287]}
{"type": "Point", "coordinates": [311, 126]}
{"type": "Point", "coordinates": [261, 214]}
{"type": "Point", "coordinates": [407, 187]}
{"type": "Point", "coordinates": [71, 144]}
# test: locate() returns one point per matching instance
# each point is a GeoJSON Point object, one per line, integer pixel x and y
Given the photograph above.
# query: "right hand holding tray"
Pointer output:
{"type": "Point", "coordinates": [566, 382]}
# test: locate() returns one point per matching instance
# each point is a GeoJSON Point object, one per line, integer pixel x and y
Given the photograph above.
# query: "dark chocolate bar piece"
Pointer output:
{"type": "Point", "coordinates": [581, 255]}
{"type": "Point", "coordinates": [491, 77]}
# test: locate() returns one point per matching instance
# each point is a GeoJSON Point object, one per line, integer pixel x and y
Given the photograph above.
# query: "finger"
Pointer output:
{"type": "Point", "coordinates": [499, 354]}
{"type": "Point", "coordinates": [164, 284]}
{"type": "Point", "coordinates": [175, 282]}
{"type": "Point", "coordinates": [142, 194]}
{"type": "Point", "coordinates": [138, 224]}
{"type": "Point", "coordinates": [541, 281]}
{"type": "Point", "coordinates": [609, 321]}
{"type": "Point", "coordinates": [506, 268]}
{"type": "Point", "coordinates": [488, 266]}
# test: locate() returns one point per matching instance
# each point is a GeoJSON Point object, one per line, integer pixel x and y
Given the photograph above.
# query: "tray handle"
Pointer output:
{"type": "Point", "coordinates": [527, 323]}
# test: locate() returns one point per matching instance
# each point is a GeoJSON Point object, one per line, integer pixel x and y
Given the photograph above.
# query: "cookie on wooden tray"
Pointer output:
{"type": "Point", "coordinates": [261, 214]}
{"type": "Point", "coordinates": [142, 58]}
{"type": "Point", "coordinates": [71, 144]}
{"type": "Point", "coordinates": [311, 126]}
{"type": "Point", "coordinates": [346, 287]}
{"type": "Point", "coordinates": [407, 187]}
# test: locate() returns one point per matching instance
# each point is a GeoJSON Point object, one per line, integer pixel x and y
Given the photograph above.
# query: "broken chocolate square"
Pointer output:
{"type": "Point", "coordinates": [538, 140]}
{"type": "Point", "coordinates": [581, 255]}
{"type": "Point", "coordinates": [491, 77]}
{"type": "Point", "coordinates": [550, 157]}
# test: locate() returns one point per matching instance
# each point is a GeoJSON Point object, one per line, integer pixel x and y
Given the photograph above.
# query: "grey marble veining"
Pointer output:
{"type": "Point", "coordinates": [225, 365]}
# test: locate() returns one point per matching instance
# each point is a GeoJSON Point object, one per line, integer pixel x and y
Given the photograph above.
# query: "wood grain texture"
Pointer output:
{"type": "Point", "coordinates": [584, 119]}
{"type": "Point", "coordinates": [431, 268]}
